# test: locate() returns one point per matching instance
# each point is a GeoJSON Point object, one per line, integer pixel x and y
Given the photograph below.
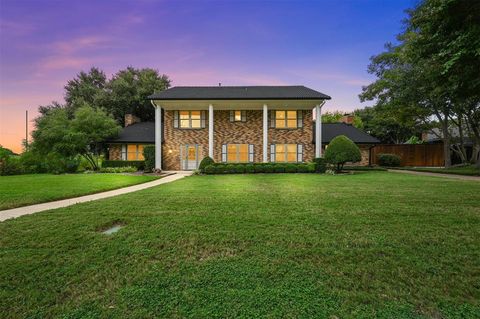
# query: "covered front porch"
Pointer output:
{"type": "Point", "coordinates": [203, 115]}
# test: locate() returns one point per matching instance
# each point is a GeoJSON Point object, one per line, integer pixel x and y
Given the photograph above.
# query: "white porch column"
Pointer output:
{"type": "Point", "coordinates": [265, 133]}
{"type": "Point", "coordinates": [318, 131]}
{"type": "Point", "coordinates": [158, 137]}
{"type": "Point", "coordinates": [210, 130]}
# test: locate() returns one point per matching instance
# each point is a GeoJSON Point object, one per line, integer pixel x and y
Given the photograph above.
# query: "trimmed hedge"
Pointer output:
{"type": "Point", "coordinates": [222, 168]}
{"type": "Point", "coordinates": [389, 160]}
{"type": "Point", "coordinates": [149, 155]}
{"type": "Point", "coordinates": [320, 165]}
{"type": "Point", "coordinates": [140, 165]}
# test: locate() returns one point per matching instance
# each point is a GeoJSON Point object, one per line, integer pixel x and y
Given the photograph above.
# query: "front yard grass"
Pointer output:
{"type": "Point", "coordinates": [21, 190]}
{"type": "Point", "coordinates": [372, 244]}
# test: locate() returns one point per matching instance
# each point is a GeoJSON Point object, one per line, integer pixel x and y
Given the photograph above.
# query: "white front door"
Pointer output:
{"type": "Point", "coordinates": [190, 156]}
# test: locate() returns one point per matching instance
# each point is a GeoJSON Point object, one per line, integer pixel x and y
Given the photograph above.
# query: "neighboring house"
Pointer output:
{"type": "Point", "coordinates": [234, 125]}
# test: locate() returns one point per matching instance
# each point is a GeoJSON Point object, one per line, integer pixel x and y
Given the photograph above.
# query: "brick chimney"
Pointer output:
{"type": "Point", "coordinates": [347, 119]}
{"type": "Point", "coordinates": [131, 119]}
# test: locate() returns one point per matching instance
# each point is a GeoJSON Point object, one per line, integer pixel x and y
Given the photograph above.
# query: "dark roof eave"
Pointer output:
{"type": "Point", "coordinates": [151, 98]}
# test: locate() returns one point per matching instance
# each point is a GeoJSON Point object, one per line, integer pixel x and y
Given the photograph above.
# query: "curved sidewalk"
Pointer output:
{"type": "Point", "coordinates": [27, 210]}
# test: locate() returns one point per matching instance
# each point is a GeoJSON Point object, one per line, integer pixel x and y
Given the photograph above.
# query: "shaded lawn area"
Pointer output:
{"type": "Point", "coordinates": [469, 170]}
{"type": "Point", "coordinates": [21, 190]}
{"type": "Point", "coordinates": [373, 244]}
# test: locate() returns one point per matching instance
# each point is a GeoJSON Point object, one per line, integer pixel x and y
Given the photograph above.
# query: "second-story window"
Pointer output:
{"type": "Point", "coordinates": [286, 119]}
{"type": "Point", "coordinates": [238, 116]}
{"type": "Point", "coordinates": [189, 119]}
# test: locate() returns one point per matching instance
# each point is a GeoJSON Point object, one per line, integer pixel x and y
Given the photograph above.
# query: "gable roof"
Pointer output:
{"type": "Point", "coordinates": [294, 92]}
{"type": "Point", "coordinates": [143, 132]}
{"type": "Point", "coordinates": [331, 130]}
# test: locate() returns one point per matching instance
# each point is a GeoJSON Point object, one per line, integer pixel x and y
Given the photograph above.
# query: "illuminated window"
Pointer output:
{"type": "Point", "coordinates": [190, 119]}
{"type": "Point", "coordinates": [286, 119]}
{"type": "Point", "coordinates": [286, 153]}
{"type": "Point", "coordinates": [132, 152]}
{"type": "Point", "coordinates": [237, 153]}
{"type": "Point", "coordinates": [238, 116]}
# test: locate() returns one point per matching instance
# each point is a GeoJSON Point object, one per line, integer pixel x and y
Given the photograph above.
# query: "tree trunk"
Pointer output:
{"type": "Point", "coordinates": [446, 142]}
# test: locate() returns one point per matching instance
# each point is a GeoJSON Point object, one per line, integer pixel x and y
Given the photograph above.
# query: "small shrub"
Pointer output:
{"type": "Point", "coordinates": [302, 168]}
{"type": "Point", "coordinates": [210, 169]}
{"type": "Point", "coordinates": [140, 165]}
{"type": "Point", "coordinates": [320, 165]}
{"type": "Point", "coordinates": [259, 167]}
{"type": "Point", "coordinates": [149, 155]}
{"type": "Point", "coordinates": [207, 160]}
{"type": "Point", "coordinates": [341, 150]}
{"type": "Point", "coordinates": [269, 168]}
{"type": "Point", "coordinates": [312, 168]}
{"type": "Point", "coordinates": [240, 168]}
{"type": "Point", "coordinates": [290, 168]}
{"type": "Point", "coordinates": [389, 160]}
{"type": "Point", "coordinates": [71, 165]}
{"type": "Point", "coordinates": [279, 168]}
{"type": "Point", "coordinates": [10, 165]}
{"type": "Point", "coordinates": [250, 168]}
{"type": "Point", "coordinates": [125, 169]}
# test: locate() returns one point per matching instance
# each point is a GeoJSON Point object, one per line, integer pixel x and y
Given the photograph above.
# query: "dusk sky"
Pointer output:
{"type": "Point", "coordinates": [325, 45]}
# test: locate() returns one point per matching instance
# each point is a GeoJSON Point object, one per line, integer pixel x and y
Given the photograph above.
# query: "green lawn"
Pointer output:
{"type": "Point", "coordinates": [21, 190]}
{"type": "Point", "coordinates": [470, 170]}
{"type": "Point", "coordinates": [372, 244]}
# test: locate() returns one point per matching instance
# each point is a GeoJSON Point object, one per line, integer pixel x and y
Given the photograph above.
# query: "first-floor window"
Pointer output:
{"type": "Point", "coordinates": [132, 152]}
{"type": "Point", "coordinates": [286, 153]}
{"type": "Point", "coordinates": [237, 153]}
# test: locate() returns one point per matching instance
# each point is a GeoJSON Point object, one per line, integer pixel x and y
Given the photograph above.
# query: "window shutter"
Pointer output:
{"type": "Point", "coordinates": [299, 118]}
{"type": "Point", "coordinates": [272, 153]}
{"type": "Point", "coordinates": [272, 118]}
{"type": "Point", "coordinates": [224, 153]}
{"type": "Point", "coordinates": [299, 153]}
{"type": "Point", "coordinates": [250, 153]}
{"type": "Point", "coordinates": [124, 152]}
{"type": "Point", "coordinates": [202, 119]}
{"type": "Point", "coordinates": [244, 116]}
{"type": "Point", "coordinates": [175, 119]}
{"type": "Point", "coordinates": [232, 115]}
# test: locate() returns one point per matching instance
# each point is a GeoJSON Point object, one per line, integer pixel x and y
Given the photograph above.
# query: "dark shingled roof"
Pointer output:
{"type": "Point", "coordinates": [143, 132]}
{"type": "Point", "coordinates": [297, 92]}
{"type": "Point", "coordinates": [331, 130]}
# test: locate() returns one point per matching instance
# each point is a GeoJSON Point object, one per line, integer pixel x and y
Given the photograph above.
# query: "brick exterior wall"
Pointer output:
{"type": "Point", "coordinates": [226, 132]}
{"type": "Point", "coordinates": [115, 152]}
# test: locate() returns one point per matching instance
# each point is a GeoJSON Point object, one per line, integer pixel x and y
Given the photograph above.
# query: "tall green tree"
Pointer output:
{"type": "Point", "coordinates": [127, 92]}
{"type": "Point", "coordinates": [388, 125]}
{"type": "Point", "coordinates": [56, 132]}
{"type": "Point", "coordinates": [85, 88]}
{"type": "Point", "coordinates": [434, 67]}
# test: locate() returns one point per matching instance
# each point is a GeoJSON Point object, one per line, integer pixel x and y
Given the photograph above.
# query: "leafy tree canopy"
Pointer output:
{"type": "Point", "coordinates": [56, 132]}
{"type": "Point", "coordinates": [336, 116]}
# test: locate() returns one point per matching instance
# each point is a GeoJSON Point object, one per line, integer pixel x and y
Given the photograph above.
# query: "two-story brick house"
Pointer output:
{"type": "Point", "coordinates": [230, 124]}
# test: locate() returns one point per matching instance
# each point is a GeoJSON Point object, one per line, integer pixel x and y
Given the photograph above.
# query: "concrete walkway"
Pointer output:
{"type": "Point", "coordinates": [462, 177]}
{"type": "Point", "coordinates": [27, 210]}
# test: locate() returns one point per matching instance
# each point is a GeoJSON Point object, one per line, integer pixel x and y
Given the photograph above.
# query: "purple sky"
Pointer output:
{"type": "Point", "coordinates": [324, 45]}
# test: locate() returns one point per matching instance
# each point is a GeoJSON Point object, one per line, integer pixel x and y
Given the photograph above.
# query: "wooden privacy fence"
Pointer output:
{"type": "Point", "coordinates": [412, 154]}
